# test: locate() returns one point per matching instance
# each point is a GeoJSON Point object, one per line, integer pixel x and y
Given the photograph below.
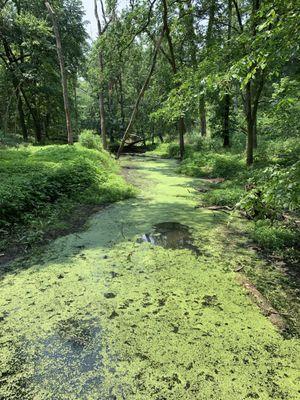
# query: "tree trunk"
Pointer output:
{"type": "Point", "coordinates": [181, 124]}
{"type": "Point", "coordinates": [11, 64]}
{"type": "Point", "coordinates": [211, 21]}
{"type": "Point", "coordinates": [141, 94]}
{"type": "Point", "coordinates": [101, 94]}
{"type": "Point", "coordinates": [255, 133]}
{"type": "Point", "coordinates": [202, 110]}
{"type": "Point", "coordinates": [76, 106]}
{"type": "Point", "coordinates": [226, 138]}
{"type": "Point", "coordinates": [62, 72]}
{"type": "Point", "coordinates": [121, 101]}
{"type": "Point", "coordinates": [202, 105]}
{"type": "Point", "coordinates": [181, 128]}
{"type": "Point", "coordinates": [21, 116]}
{"type": "Point", "coordinates": [250, 124]}
{"type": "Point", "coordinates": [102, 120]}
{"type": "Point", "coordinates": [37, 126]}
{"type": "Point", "coordinates": [252, 94]}
{"type": "Point", "coordinates": [35, 118]}
{"type": "Point", "coordinates": [227, 98]}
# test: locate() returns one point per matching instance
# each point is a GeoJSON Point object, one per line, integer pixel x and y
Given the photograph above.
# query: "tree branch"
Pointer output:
{"type": "Point", "coordinates": [238, 14]}
{"type": "Point", "coordinates": [141, 94]}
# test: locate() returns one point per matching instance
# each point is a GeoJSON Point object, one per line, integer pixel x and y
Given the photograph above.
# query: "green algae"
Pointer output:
{"type": "Point", "coordinates": [100, 316]}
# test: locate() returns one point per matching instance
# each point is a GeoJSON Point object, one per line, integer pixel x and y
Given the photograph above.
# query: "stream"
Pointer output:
{"type": "Point", "coordinates": [142, 304]}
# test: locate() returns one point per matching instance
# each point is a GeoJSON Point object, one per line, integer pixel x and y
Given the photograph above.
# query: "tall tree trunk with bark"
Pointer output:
{"type": "Point", "coordinates": [75, 104]}
{"type": "Point", "coordinates": [181, 124]}
{"type": "Point", "coordinates": [209, 31]}
{"type": "Point", "coordinates": [250, 123]}
{"type": "Point", "coordinates": [254, 86]}
{"type": "Point", "coordinates": [253, 91]}
{"type": "Point", "coordinates": [255, 134]}
{"type": "Point", "coordinates": [21, 115]}
{"type": "Point", "coordinates": [226, 125]}
{"type": "Point", "coordinates": [101, 71]}
{"type": "Point", "coordinates": [35, 117]}
{"type": "Point", "coordinates": [227, 98]}
{"type": "Point", "coordinates": [121, 100]}
{"type": "Point", "coordinates": [62, 71]}
{"type": "Point", "coordinates": [202, 111]}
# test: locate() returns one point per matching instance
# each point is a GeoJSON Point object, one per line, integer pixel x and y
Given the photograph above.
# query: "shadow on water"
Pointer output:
{"type": "Point", "coordinates": [171, 235]}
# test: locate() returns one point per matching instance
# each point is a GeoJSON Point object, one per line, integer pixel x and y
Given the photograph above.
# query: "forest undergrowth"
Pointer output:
{"type": "Point", "coordinates": [42, 188]}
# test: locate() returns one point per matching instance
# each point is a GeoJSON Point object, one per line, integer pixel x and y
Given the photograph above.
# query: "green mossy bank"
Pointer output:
{"type": "Point", "coordinates": [101, 315]}
{"type": "Point", "coordinates": [41, 186]}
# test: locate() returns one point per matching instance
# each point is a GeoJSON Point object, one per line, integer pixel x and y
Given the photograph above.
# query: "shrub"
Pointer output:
{"type": "Point", "coordinates": [275, 190]}
{"type": "Point", "coordinates": [223, 197]}
{"type": "Point", "coordinates": [166, 150]}
{"type": "Point", "coordinates": [212, 165]}
{"type": "Point", "coordinates": [10, 140]}
{"type": "Point", "coordinates": [38, 178]}
{"type": "Point", "coordinates": [90, 140]}
{"type": "Point", "coordinates": [273, 236]}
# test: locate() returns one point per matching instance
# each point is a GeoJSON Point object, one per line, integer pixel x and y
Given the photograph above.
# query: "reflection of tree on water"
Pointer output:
{"type": "Point", "coordinates": [171, 235]}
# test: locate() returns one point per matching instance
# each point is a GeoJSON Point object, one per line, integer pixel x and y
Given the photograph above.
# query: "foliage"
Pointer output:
{"type": "Point", "coordinates": [212, 165]}
{"type": "Point", "coordinates": [275, 190]}
{"type": "Point", "coordinates": [31, 95]}
{"type": "Point", "coordinates": [274, 236]}
{"type": "Point", "coordinates": [90, 140]}
{"type": "Point", "coordinates": [223, 197]}
{"type": "Point", "coordinates": [36, 181]}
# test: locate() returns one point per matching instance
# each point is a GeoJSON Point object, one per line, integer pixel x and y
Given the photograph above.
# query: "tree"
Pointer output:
{"type": "Point", "coordinates": [64, 84]}
{"type": "Point", "coordinates": [101, 32]}
{"type": "Point", "coordinates": [28, 54]}
{"type": "Point", "coordinates": [142, 92]}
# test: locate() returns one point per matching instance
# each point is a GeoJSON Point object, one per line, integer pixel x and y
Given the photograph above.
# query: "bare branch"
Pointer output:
{"type": "Point", "coordinates": [143, 27]}
{"type": "Point", "coordinates": [97, 18]}
{"type": "Point", "coordinates": [103, 12]}
{"type": "Point", "coordinates": [161, 48]}
{"type": "Point", "coordinates": [238, 14]}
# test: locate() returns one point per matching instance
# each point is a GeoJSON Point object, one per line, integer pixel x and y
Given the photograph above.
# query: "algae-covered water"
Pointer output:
{"type": "Point", "coordinates": [120, 311]}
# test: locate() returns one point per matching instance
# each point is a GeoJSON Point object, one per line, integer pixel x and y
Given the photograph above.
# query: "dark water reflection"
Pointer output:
{"type": "Point", "coordinates": [171, 235]}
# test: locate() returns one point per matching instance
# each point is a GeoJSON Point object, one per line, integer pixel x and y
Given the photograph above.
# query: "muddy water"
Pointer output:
{"type": "Point", "coordinates": [141, 305]}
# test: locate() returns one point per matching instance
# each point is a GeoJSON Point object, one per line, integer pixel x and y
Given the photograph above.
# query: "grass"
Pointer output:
{"type": "Point", "coordinates": [41, 186]}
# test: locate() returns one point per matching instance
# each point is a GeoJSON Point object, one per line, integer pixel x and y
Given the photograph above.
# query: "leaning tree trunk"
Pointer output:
{"type": "Point", "coordinates": [141, 94]}
{"type": "Point", "coordinates": [62, 72]}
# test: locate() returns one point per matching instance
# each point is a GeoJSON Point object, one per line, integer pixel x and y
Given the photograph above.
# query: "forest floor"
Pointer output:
{"type": "Point", "coordinates": [146, 304]}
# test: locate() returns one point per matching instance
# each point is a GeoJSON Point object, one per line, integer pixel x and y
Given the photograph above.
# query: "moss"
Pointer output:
{"type": "Point", "coordinates": [100, 315]}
